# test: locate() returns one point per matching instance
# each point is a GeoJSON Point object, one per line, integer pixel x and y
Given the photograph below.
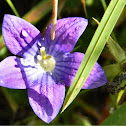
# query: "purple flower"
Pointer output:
{"type": "Point", "coordinates": [44, 66]}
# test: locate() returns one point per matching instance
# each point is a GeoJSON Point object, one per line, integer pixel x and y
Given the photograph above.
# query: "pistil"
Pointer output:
{"type": "Point", "coordinates": [47, 62]}
{"type": "Point", "coordinates": [43, 53]}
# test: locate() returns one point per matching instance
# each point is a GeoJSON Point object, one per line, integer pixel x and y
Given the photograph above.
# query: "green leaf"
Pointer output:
{"type": "Point", "coordinates": [95, 48]}
{"type": "Point", "coordinates": [118, 117]}
{"type": "Point", "coordinates": [116, 50]}
{"type": "Point", "coordinates": [112, 70]}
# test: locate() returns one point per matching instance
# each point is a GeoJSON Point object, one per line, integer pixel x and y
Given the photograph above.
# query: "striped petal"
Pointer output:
{"type": "Point", "coordinates": [67, 32]}
{"type": "Point", "coordinates": [11, 74]}
{"type": "Point", "coordinates": [46, 99]}
{"type": "Point", "coordinates": [20, 36]}
{"type": "Point", "coordinates": [67, 66]}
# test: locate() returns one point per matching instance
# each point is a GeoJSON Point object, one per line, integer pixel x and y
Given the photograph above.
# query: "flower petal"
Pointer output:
{"type": "Point", "coordinates": [67, 66]}
{"type": "Point", "coordinates": [19, 35]}
{"type": "Point", "coordinates": [23, 70]}
{"type": "Point", "coordinates": [31, 72]}
{"type": "Point", "coordinates": [10, 74]}
{"type": "Point", "coordinates": [96, 78]}
{"type": "Point", "coordinates": [67, 32]}
{"type": "Point", "coordinates": [46, 99]}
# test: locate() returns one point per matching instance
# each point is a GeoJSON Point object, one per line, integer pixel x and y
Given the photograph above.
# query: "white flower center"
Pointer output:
{"type": "Point", "coordinates": [47, 62]}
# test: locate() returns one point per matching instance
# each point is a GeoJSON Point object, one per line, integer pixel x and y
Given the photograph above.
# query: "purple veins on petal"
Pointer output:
{"type": "Point", "coordinates": [46, 100]}
{"type": "Point", "coordinates": [68, 65]}
{"type": "Point", "coordinates": [10, 74]}
{"type": "Point", "coordinates": [19, 35]}
{"type": "Point", "coordinates": [31, 71]}
{"type": "Point", "coordinates": [68, 31]}
{"type": "Point", "coordinates": [96, 78]}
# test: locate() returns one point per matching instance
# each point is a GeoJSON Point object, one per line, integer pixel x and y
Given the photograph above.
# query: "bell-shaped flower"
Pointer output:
{"type": "Point", "coordinates": [42, 66]}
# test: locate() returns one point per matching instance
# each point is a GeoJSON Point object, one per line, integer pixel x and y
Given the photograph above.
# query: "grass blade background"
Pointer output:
{"type": "Point", "coordinates": [13, 8]}
{"type": "Point", "coordinates": [38, 12]}
{"type": "Point", "coordinates": [95, 48]}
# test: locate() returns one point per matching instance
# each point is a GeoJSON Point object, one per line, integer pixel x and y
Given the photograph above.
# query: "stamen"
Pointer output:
{"type": "Point", "coordinates": [44, 62]}
{"type": "Point", "coordinates": [47, 62]}
{"type": "Point", "coordinates": [39, 57]}
{"type": "Point", "coordinates": [48, 57]}
{"type": "Point", "coordinates": [42, 50]}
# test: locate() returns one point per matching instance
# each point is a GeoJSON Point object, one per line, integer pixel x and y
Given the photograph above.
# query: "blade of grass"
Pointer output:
{"type": "Point", "coordinates": [95, 48]}
{"type": "Point", "coordinates": [115, 49]}
{"type": "Point", "coordinates": [13, 8]}
{"type": "Point", "coordinates": [104, 4]}
{"type": "Point", "coordinates": [105, 7]}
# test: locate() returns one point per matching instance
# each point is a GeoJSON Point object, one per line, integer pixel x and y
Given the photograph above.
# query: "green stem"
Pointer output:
{"type": "Point", "coordinates": [12, 7]}
{"type": "Point", "coordinates": [105, 7]}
